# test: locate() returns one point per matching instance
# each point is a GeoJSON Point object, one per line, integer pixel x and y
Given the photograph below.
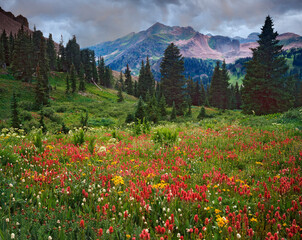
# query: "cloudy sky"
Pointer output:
{"type": "Point", "coordinates": [95, 21]}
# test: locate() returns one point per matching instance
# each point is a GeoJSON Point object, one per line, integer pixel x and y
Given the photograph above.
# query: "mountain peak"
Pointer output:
{"type": "Point", "coordinates": [157, 28]}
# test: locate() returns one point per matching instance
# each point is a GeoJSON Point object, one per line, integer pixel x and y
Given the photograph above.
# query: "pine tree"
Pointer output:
{"type": "Point", "coordinates": [15, 121]}
{"type": "Point", "coordinates": [173, 113]}
{"type": "Point", "coordinates": [61, 60]}
{"type": "Point", "coordinates": [107, 77]}
{"type": "Point", "coordinates": [216, 99]}
{"type": "Point", "coordinates": [39, 91]}
{"type": "Point", "coordinates": [266, 89]}
{"type": "Point", "coordinates": [6, 49]}
{"type": "Point", "coordinates": [81, 78]}
{"type": "Point", "coordinates": [73, 54]}
{"type": "Point", "coordinates": [238, 96]}
{"type": "Point", "coordinates": [149, 79]}
{"type": "Point", "coordinates": [172, 78]}
{"type": "Point", "coordinates": [128, 81]}
{"type": "Point", "coordinates": [101, 70]}
{"type": "Point", "coordinates": [73, 79]}
{"type": "Point", "coordinates": [140, 110]}
{"type": "Point", "coordinates": [120, 97]}
{"type": "Point", "coordinates": [67, 84]}
{"type": "Point", "coordinates": [121, 81]}
{"type": "Point", "coordinates": [190, 88]}
{"type": "Point", "coordinates": [224, 83]}
{"type": "Point", "coordinates": [51, 53]}
{"type": "Point", "coordinates": [196, 95]}
{"type": "Point", "coordinates": [142, 87]}
{"type": "Point", "coordinates": [162, 106]}
{"type": "Point", "coordinates": [135, 90]}
{"type": "Point", "coordinates": [203, 95]}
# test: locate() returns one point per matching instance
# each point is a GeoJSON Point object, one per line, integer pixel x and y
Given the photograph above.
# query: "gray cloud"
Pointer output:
{"type": "Point", "coordinates": [94, 21]}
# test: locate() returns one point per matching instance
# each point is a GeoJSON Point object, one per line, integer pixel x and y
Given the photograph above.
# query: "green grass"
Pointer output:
{"type": "Point", "coordinates": [101, 105]}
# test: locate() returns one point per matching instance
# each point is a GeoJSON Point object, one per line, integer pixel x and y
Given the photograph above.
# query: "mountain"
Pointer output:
{"type": "Point", "coordinates": [135, 47]}
{"type": "Point", "coordinates": [11, 23]}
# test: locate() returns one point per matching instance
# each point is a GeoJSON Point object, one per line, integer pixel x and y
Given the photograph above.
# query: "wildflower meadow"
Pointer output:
{"type": "Point", "coordinates": [175, 181]}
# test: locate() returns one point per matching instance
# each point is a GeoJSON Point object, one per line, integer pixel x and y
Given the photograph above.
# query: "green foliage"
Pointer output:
{"type": "Point", "coordinates": [41, 121]}
{"type": "Point", "coordinates": [91, 145]}
{"type": "Point", "coordinates": [120, 95]}
{"type": "Point", "coordinates": [266, 87]}
{"type": "Point", "coordinates": [165, 136]}
{"type": "Point", "coordinates": [130, 118]}
{"type": "Point", "coordinates": [73, 79]}
{"type": "Point", "coordinates": [37, 139]}
{"type": "Point", "coordinates": [140, 110]}
{"type": "Point", "coordinates": [202, 113]}
{"type": "Point", "coordinates": [84, 119]}
{"type": "Point", "coordinates": [7, 157]}
{"type": "Point", "coordinates": [172, 80]}
{"type": "Point", "coordinates": [78, 137]}
{"type": "Point", "coordinates": [128, 81]}
{"type": "Point", "coordinates": [141, 127]}
{"type": "Point", "coordinates": [15, 121]}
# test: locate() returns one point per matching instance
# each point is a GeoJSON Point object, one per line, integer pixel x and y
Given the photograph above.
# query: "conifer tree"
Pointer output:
{"type": "Point", "coordinates": [202, 113]}
{"type": "Point", "coordinates": [224, 83]}
{"type": "Point", "coordinates": [67, 84]}
{"type": "Point", "coordinates": [135, 90]}
{"type": "Point", "coordinates": [73, 54]}
{"type": "Point", "coordinates": [101, 70]}
{"type": "Point", "coordinates": [73, 79]}
{"type": "Point", "coordinates": [203, 94]}
{"type": "Point", "coordinates": [172, 78]}
{"type": "Point", "coordinates": [149, 79]}
{"type": "Point", "coordinates": [51, 53]}
{"type": "Point", "coordinates": [120, 97]}
{"type": "Point", "coordinates": [107, 77]}
{"type": "Point", "coordinates": [196, 96]}
{"type": "Point", "coordinates": [238, 96]}
{"type": "Point", "coordinates": [121, 81]}
{"type": "Point", "coordinates": [140, 110]}
{"type": "Point", "coordinates": [173, 113]}
{"type": "Point", "coordinates": [128, 81]}
{"type": "Point", "coordinates": [81, 78]}
{"type": "Point", "coordinates": [5, 46]}
{"type": "Point", "coordinates": [15, 121]}
{"type": "Point", "coordinates": [162, 106]}
{"type": "Point", "coordinates": [39, 91]}
{"type": "Point", "coordinates": [190, 88]}
{"type": "Point", "coordinates": [266, 89]}
{"type": "Point", "coordinates": [142, 87]}
{"type": "Point", "coordinates": [61, 60]}
{"type": "Point", "coordinates": [216, 94]}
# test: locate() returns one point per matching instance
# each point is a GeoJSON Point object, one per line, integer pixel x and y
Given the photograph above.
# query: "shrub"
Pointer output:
{"type": "Point", "coordinates": [78, 137]}
{"type": "Point", "coordinates": [37, 140]}
{"type": "Point", "coordinates": [7, 157]}
{"type": "Point", "coordinates": [25, 116]}
{"type": "Point", "coordinates": [165, 136]}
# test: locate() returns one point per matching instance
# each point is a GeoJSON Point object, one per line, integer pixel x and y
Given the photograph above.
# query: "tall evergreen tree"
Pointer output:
{"type": "Point", "coordinates": [238, 96]}
{"type": "Point", "coordinates": [203, 94]}
{"type": "Point", "coordinates": [142, 87]}
{"type": "Point", "coordinates": [51, 53]}
{"type": "Point", "coordinates": [190, 88]}
{"type": "Point", "coordinates": [128, 81]}
{"type": "Point", "coordinates": [224, 83]}
{"type": "Point", "coordinates": [162, 106]}
{"type": "Point", "coordinates": [73, 54]}
{"type": "Point", "coordinates": [22, 62]}
{"type": "Point", "coordinates": [61, 60]}
{"type": "Point", "coordinates": [82, 79]}
{"type": "Point", "coordinates": [172, 78]}
{"type": "Point", "coordinates": [41, 121]}
{"type": "Point", "coordinates": [121, 81]}
{"type": "Point", "coordinates": [266, 89]}
{"type": "Point", "coordinates": [196, 95]}
{"type": "Point", "coordinates": [73, 80]}
{"type": "Point", "coordinates": [6, 48]}
{"type": "Point", "coordinates": [216, 95]}
{"type": "Point", "coordinates": [120, 97]}
{"type": "Point", "coordinates": [108, 77]}
{"type": "Point", "coordinates": [15, 121]}
{"type": "Point", "coordinates": [149, 79]}
{"type": "Point", "coordinates": [101, 70]}
{"type": "Point", "coordinates": [135, 89]}
{"type": "Point", "coordinates": [140, 110]}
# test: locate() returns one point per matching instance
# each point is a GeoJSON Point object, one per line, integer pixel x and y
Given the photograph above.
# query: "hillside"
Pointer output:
{"type": "Point", "coordinates": [135, 47]}
{"type": "Point", "coordinates": [102, 105]}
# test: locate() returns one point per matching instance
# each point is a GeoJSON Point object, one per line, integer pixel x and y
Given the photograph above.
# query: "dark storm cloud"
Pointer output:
{"type": "Point", "coordinates": [94, 21]}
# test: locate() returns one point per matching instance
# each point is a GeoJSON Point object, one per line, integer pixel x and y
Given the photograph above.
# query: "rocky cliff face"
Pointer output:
{"type": "Point", "coordinates": [11, 23]}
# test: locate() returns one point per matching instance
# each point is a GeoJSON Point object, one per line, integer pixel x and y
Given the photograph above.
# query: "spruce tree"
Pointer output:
{"type": "Point", "coordinates": [190, 89]}
{"type": "Point", "coordinates": [142, 86]}
{"type": "Point", "coordinates": [121, 81]}
{"type": "Point", "coordinates": [140, 110]}
{"type": "Point", "coordinates": [101, 70]}
{"type": "Point", "coordinates": [51, 53]}
{"type": "Point", "coordinates": [120, 97]}
{"type": "Point", "coordinates": [173, 113]}
{"type": "Point", "coordinates": [41, 121]}
{"type": "Point", "coordinates": [73, 79]}
{"type": "Point", "coordinates": [266, 89]}
{"type": "Point", "coordinates": [149, 79]}
{"type": "Point", "coordinates": [107, 77]}
{"type": "Point", "coordinates": [15, 121]}
{"type": "Point", "coordinates": [5, 46]}
{"type": "Point", "coordinates": [238, 96]}
{"type": "Point", "coordinates": [203, 94]}
{"type": "Point", "coordinates": [73, 54]}
{"type": "Point", "coordinates": [82, 79]}
{"type": "Point", "coordinates": [215, 88]}
{"type": "Point", "coordinates": [135, 89]}
{"type": "Point", "coordinates": [224, 83]}
{"type": "Point", "coordinates": [172, 78]}
{"type": "Point", "coordinates": [196, 95]}
{"type": "Point", "coordinates": [162, 106]}
{"type": "Point", "coordinates": [128, 81]}
{"type": "Point", "coordinates": [39, 90]}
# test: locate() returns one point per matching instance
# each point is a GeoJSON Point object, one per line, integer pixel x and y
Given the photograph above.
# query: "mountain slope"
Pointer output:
{"type": "Point", "coordinates": [135, 47]}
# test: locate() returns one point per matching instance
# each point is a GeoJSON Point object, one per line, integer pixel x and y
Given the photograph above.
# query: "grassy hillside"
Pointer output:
{"type": "Point", "coordinates": [101, 105]}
